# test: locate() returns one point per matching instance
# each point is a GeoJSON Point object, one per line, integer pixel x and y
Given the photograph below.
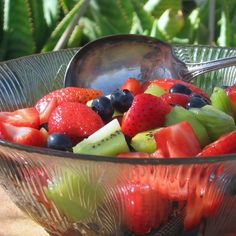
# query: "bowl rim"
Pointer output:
{"type": "Point", "coordinates": [112, 159]}
{"type": "Point", "coordinates": [43, 151]}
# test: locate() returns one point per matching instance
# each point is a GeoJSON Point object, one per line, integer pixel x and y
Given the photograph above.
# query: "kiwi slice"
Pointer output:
{"type": "Point", "coordinates": [107, 141]}
{"type": "Point", "coordinates": [144, 141]}
{"type": "Point", "coordinates": [215, 121]}
{"type": "Point", "coordinates": [155, 90]}
{"type": "Point", "coordinates": [221, 101]}
{"type": "Point", "coordinates": [178, 114]}
{"type": "Point", "coordinates": [75, 194]}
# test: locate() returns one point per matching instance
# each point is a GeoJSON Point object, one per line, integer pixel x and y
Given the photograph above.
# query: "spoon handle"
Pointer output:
{"type": "Point", "coordinates": [201, 68]}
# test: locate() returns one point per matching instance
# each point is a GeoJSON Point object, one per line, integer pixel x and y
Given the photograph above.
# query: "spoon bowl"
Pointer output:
{"type": "Point", "coordinates": [113, 59]}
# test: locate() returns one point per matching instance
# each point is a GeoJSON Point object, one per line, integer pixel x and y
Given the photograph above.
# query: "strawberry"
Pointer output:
{"type": "Point", "coordinates": [22, 135]}
{"type": "Point", "coordinates": [175, 99]}
{"type": "Point", "coordinates": [231, 93]}
{"type": "Point", "coordinates": [146, 112]}
{"type": "Point", "coordinates": [177, 140]}
{"type": "Point", "coordinates": [75, 120]}
{"type": "Point", "coordinates": [68, 94]}
{"type": "Point", "coordinates": [205, 197]}
{"type": "Point", "coordinates": [26, 117]}
{"type": "Point", "coordinates": [144, 208]}
{"type": "Point", "coordinates": [45, 109]}
{"type": "Point", "coordinates": [133, 85]}
{"type": "Point", "coordinates": [226, 144]}
{"type": "Point", "coordinates": [166, 84]}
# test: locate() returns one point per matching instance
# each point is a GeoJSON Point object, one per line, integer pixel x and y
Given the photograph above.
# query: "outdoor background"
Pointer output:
{"type": "Point", "coordinates": [34, 26]}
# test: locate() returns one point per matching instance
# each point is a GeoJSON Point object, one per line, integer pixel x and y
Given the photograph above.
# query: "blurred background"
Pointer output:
{"type": "Point", "coordinates": [35, 26]}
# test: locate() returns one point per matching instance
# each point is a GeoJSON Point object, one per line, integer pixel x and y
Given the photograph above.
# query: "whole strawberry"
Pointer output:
{"type": "Point", "coordinates": [75, 120]}
{"type": "Point", "coordinates": [146, 112]}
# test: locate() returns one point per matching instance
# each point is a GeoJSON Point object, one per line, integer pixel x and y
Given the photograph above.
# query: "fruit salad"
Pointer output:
{"type": "Point", "coordinates": [164, 118]}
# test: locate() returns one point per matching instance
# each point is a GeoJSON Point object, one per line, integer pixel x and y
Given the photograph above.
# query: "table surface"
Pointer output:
{"type": "Point", "coordinates": [13, 222]}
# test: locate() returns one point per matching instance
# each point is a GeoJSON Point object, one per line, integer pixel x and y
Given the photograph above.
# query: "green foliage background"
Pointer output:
{"type": "Point", "coordinates": [34, 26]}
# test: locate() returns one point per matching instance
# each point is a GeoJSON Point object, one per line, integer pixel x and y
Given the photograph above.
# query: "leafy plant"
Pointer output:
{"type": "Point", "coordinates": [29, 26]}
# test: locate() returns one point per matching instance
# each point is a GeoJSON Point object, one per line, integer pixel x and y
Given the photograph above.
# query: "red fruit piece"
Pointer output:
{"type": "Point", "coordinates": [133, 85]}
{"type": "Point", "coordinates": [144, 209]}
{"type": "Point", "coordinates": [146, 112]}
{"type": "Point", "coordinates": [68, 94]}
{"type": "Point", "coordinates": [22, 135]}
{"type": "Point", "coordinates": [166, 84]}
{"type": "Point", "coordinates": [231, 93]}
{"type": "Point", "coordinates": [175, 99]}
{"type": "Point", "coordinates": [205, 197]}
{"type": "Point", "coordinates": [75, 120]}
{"type": "Point", "coordinates": [26, 117]}
{"type": "Point", "coordinates": [177, 140]}
{"type": "Point", "coordinates": [226, 144]}
{"type": "Point", "coordinates": [45, 109]}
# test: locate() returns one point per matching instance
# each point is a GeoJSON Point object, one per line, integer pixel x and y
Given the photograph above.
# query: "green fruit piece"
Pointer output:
{"type": "Point", "coordinates": [221, 101]}
{"type": "Point", "coordinates": [144, 141]}
{"type": "Point", "coordinates": [179, 114]}
{"type": "Point", "coordinates": [107, 141]}
{"type": "Point", "coordinates": [215, 121]}
{"type": "Point", "coordinates": [76, 195]}
{"type": "Point", "coordinates": [155, 90]}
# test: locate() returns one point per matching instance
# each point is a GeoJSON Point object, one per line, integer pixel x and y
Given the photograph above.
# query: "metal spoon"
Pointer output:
{"type": "Point", "coordinates": [107, 62]}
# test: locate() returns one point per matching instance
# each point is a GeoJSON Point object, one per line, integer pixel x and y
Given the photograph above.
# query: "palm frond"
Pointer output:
{"type": "Point", "coordinates": [17, 30]}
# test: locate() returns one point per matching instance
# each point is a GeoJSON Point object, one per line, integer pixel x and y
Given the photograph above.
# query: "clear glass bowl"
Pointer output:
{"type": "Point", "coordinates": [92, 195]}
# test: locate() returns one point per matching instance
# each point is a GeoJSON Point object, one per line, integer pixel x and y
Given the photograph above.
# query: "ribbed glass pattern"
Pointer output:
{"type": "Point", "coordinates": [86, 195]}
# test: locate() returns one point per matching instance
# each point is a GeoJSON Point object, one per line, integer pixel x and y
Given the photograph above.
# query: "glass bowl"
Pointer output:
{"type": "Point", "coordinates": [71, 194]}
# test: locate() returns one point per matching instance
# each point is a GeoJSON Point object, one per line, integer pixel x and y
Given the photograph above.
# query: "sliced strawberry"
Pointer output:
{"type": "Point", "coordinates": [226, 144]}
{"type": "Point", "coordinates": [177, 140]}
{"type": "Point", "coordinates": [166, 84]}
{"type": "Point", "coordinates": [146, 112]}
{"type": "Point", "coordinates": [175, 99]}
{"type": "Point", "coordinates": [144, 209]}
{"type": "Point", "coordinates": [45, 109]}
{"type": "Point", "coordinates": [68, 94]}
{"type": "Point", "coordinates": [26, 117]}
{"type": "Point", "coordinates": [22, 135]}
{"type": "Point", "coordinates": [75, 120]}
{"type": "Point", "coordinates": [133, 85]}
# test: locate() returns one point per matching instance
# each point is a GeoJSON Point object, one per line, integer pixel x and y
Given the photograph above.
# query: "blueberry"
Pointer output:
{"type": "Point", "coordinates": [180, 88]}
{"type": "Point", "coordinates": [200, 96]}
{"type": "Point", "coordinates": [102, 105]}
{"type": "Point", "coordinates": [196, 102]}
{"type": "Point", "coordinates": [121, 100]}
{"type": "Point", "coordinates": [59, 141]}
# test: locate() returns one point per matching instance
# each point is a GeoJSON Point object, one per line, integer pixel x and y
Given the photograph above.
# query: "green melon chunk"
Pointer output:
{"type": "Point", "coordinates": [155, 90]}
{"type": "Point", "coordinates": [221, 101]}
{"type": "Point", "coordinates": [179, 114]}
{"type": "Point", "coordinates": [144, 141]}
{"type": "Point", "coordinates": [76, 196]}
{"type": "Point", "coordinates": [107, 141]}
{"type": "Point", "coordinates": [215, 121]}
